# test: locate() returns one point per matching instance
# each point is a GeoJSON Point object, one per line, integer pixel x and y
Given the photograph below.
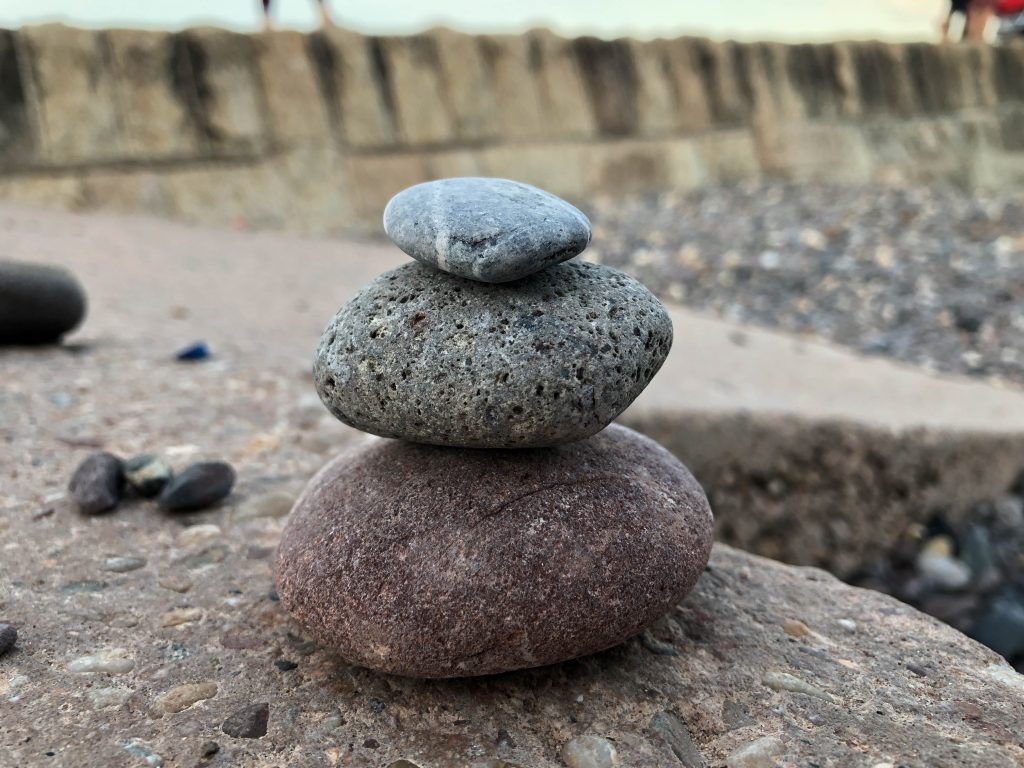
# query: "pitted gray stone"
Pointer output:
{"type": "Point", "coordinates": [433, 358]}
{"type": "Point", "coordinates": [492, 230]}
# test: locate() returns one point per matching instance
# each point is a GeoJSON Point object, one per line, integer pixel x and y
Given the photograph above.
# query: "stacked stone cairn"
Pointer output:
{"type": "Point", "coordinates": [507, 525]}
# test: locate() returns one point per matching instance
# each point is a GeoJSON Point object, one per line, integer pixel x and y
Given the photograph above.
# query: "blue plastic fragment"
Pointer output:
{"type": "Point", "coordinates": [197, 351]}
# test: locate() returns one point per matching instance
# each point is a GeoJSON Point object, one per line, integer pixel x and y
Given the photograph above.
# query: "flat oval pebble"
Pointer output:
{"type": "Point", "coordinates": [98, 483]}
{"type": "Point", "coordinates": [438, 562]}
{"type": "Point", "coordinates": [200, 486]}
{"type": "Point", "coordinates": [433, 358]}
{"type": "Point", "coordinates": [492, 230]}
{"type": "Point", "coordinates": [39, 303]}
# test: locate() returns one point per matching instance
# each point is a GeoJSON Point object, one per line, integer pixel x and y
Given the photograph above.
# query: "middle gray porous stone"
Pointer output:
{"type": "Point", "coordinates": [493, 230]}
{"type": "Point", "coordinates": [429, 357]}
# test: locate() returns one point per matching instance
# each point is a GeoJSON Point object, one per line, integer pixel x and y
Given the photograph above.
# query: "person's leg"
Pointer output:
{"type": "Point", "coordinates": [266, 15]}
{"type": "Point", "coordinates": [979, 14]}
{"type": "Point", "coordinates": [325, 15]}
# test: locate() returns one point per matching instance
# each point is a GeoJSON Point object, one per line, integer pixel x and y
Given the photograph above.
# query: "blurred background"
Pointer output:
{"type": "Point", "coordinates": [828, 195]}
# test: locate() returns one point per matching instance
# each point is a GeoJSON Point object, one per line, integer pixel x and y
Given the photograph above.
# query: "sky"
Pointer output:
{"type": "Point", "coordinates": [739, 19]}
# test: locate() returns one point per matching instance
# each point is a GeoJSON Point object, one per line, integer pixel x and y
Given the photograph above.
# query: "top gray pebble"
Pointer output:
{"type": "Point", "coordinates": [491, 230]}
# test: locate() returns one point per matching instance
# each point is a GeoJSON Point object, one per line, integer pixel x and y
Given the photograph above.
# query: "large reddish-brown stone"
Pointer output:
{"type": "Point", "coordinates": [443, 562]}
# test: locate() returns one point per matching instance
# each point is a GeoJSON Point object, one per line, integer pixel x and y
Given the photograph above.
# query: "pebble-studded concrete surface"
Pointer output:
{"type": "Point", "coordinates": [154, 639]}
{"type": "Point", "coordinates": [934, 276]}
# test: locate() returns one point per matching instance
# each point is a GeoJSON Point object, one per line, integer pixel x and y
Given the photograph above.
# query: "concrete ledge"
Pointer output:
{"type": "Point", "coordinates": [579, 116]}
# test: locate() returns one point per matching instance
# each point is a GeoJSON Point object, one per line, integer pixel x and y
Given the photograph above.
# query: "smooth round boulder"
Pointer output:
{"type": "Point", "coordinates": [423, 561]}
{"type": "Point", "coordinates": [39, 303]}
{"type": "Point", "coordinates": [492, 230]}
{"type": "Point", "coordinates": [435, 358]}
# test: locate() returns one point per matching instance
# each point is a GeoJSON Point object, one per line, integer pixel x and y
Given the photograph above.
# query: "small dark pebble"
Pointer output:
{"type": "Point", "coordinates": [8, 637]}
{"type": "Point", "coordinates": [377, 706]}
{"type": "Point", "coordinates": [209, 748]}
{"type": "Point", "coordinates": [200, 486]}
{"type": "Point", "coordinates": [371, 744]}
{"type": "Point", "coordinates": [194, 352]}
{"type": "Point", "coordinates": [248, 722]}
{"type": "Point", "coordinates": [147, 474]}
{"type": "Point", "coordinates": [272, 594]}
{"type": "Point", "coordinates": [917, 669]}
{"type": "Point", "coordinates": [98, 483]}
{"type": "Point", "coordinates": [284, 665]}
{"type": "Point", "coordinates": [968, 319]}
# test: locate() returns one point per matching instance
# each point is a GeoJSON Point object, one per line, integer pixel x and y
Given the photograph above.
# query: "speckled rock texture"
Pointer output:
{"type": "Point", "coordinates": [438, 562]}
{"type": "Point", "coordinates": [39, 303]}
{"type": "Point", "coordinates": [492, 230]}
{"type": "Point", "coordinates": [433, 358]}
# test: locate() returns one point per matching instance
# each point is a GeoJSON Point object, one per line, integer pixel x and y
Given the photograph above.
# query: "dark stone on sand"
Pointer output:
{"type": "Point", "coordinates": [424, 356]}
{"type": "Point", "coordinates": [249, 722]}
{"type": "Point", "coordinates": [39, 303]}
{"type": "Point", "coordinates": [8, 637]}
{"type": "Point", "coordinates": [200, 486]}
{"type": "Point", "coordinates": [98, 483]}
{"type": "Point", "coordinates": [438, 562]}
{"type": "Point", "coordinates": [491, 230]}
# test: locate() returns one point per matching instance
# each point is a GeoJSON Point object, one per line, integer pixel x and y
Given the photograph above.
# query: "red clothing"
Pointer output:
{"type": "Point", "coordinates": [1009, 7]}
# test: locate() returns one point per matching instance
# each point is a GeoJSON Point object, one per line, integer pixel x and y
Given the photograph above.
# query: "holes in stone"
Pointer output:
{"type": "Point", "coordinates": [517, 409]}
{"type": "Point", "coordinates": [540, 389]}
{"type": "Point", "coordinates": [417, 319]}
{"type": "Point", "coordinates": [329, 382]}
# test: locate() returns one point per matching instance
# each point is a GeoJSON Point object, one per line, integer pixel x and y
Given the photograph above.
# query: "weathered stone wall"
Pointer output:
{"type": "Point", "coordinates": [315, 132]}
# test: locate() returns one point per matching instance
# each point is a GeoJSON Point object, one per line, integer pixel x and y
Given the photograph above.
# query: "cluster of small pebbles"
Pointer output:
{"type": "Point", "coordinates": [933, 276]}
{"type": "Point", "coordinates": [429, 557]}
{"type": "Point", "coordinates": [968, 573]}
{"type": "Point", "coordinates": [102, 479]}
